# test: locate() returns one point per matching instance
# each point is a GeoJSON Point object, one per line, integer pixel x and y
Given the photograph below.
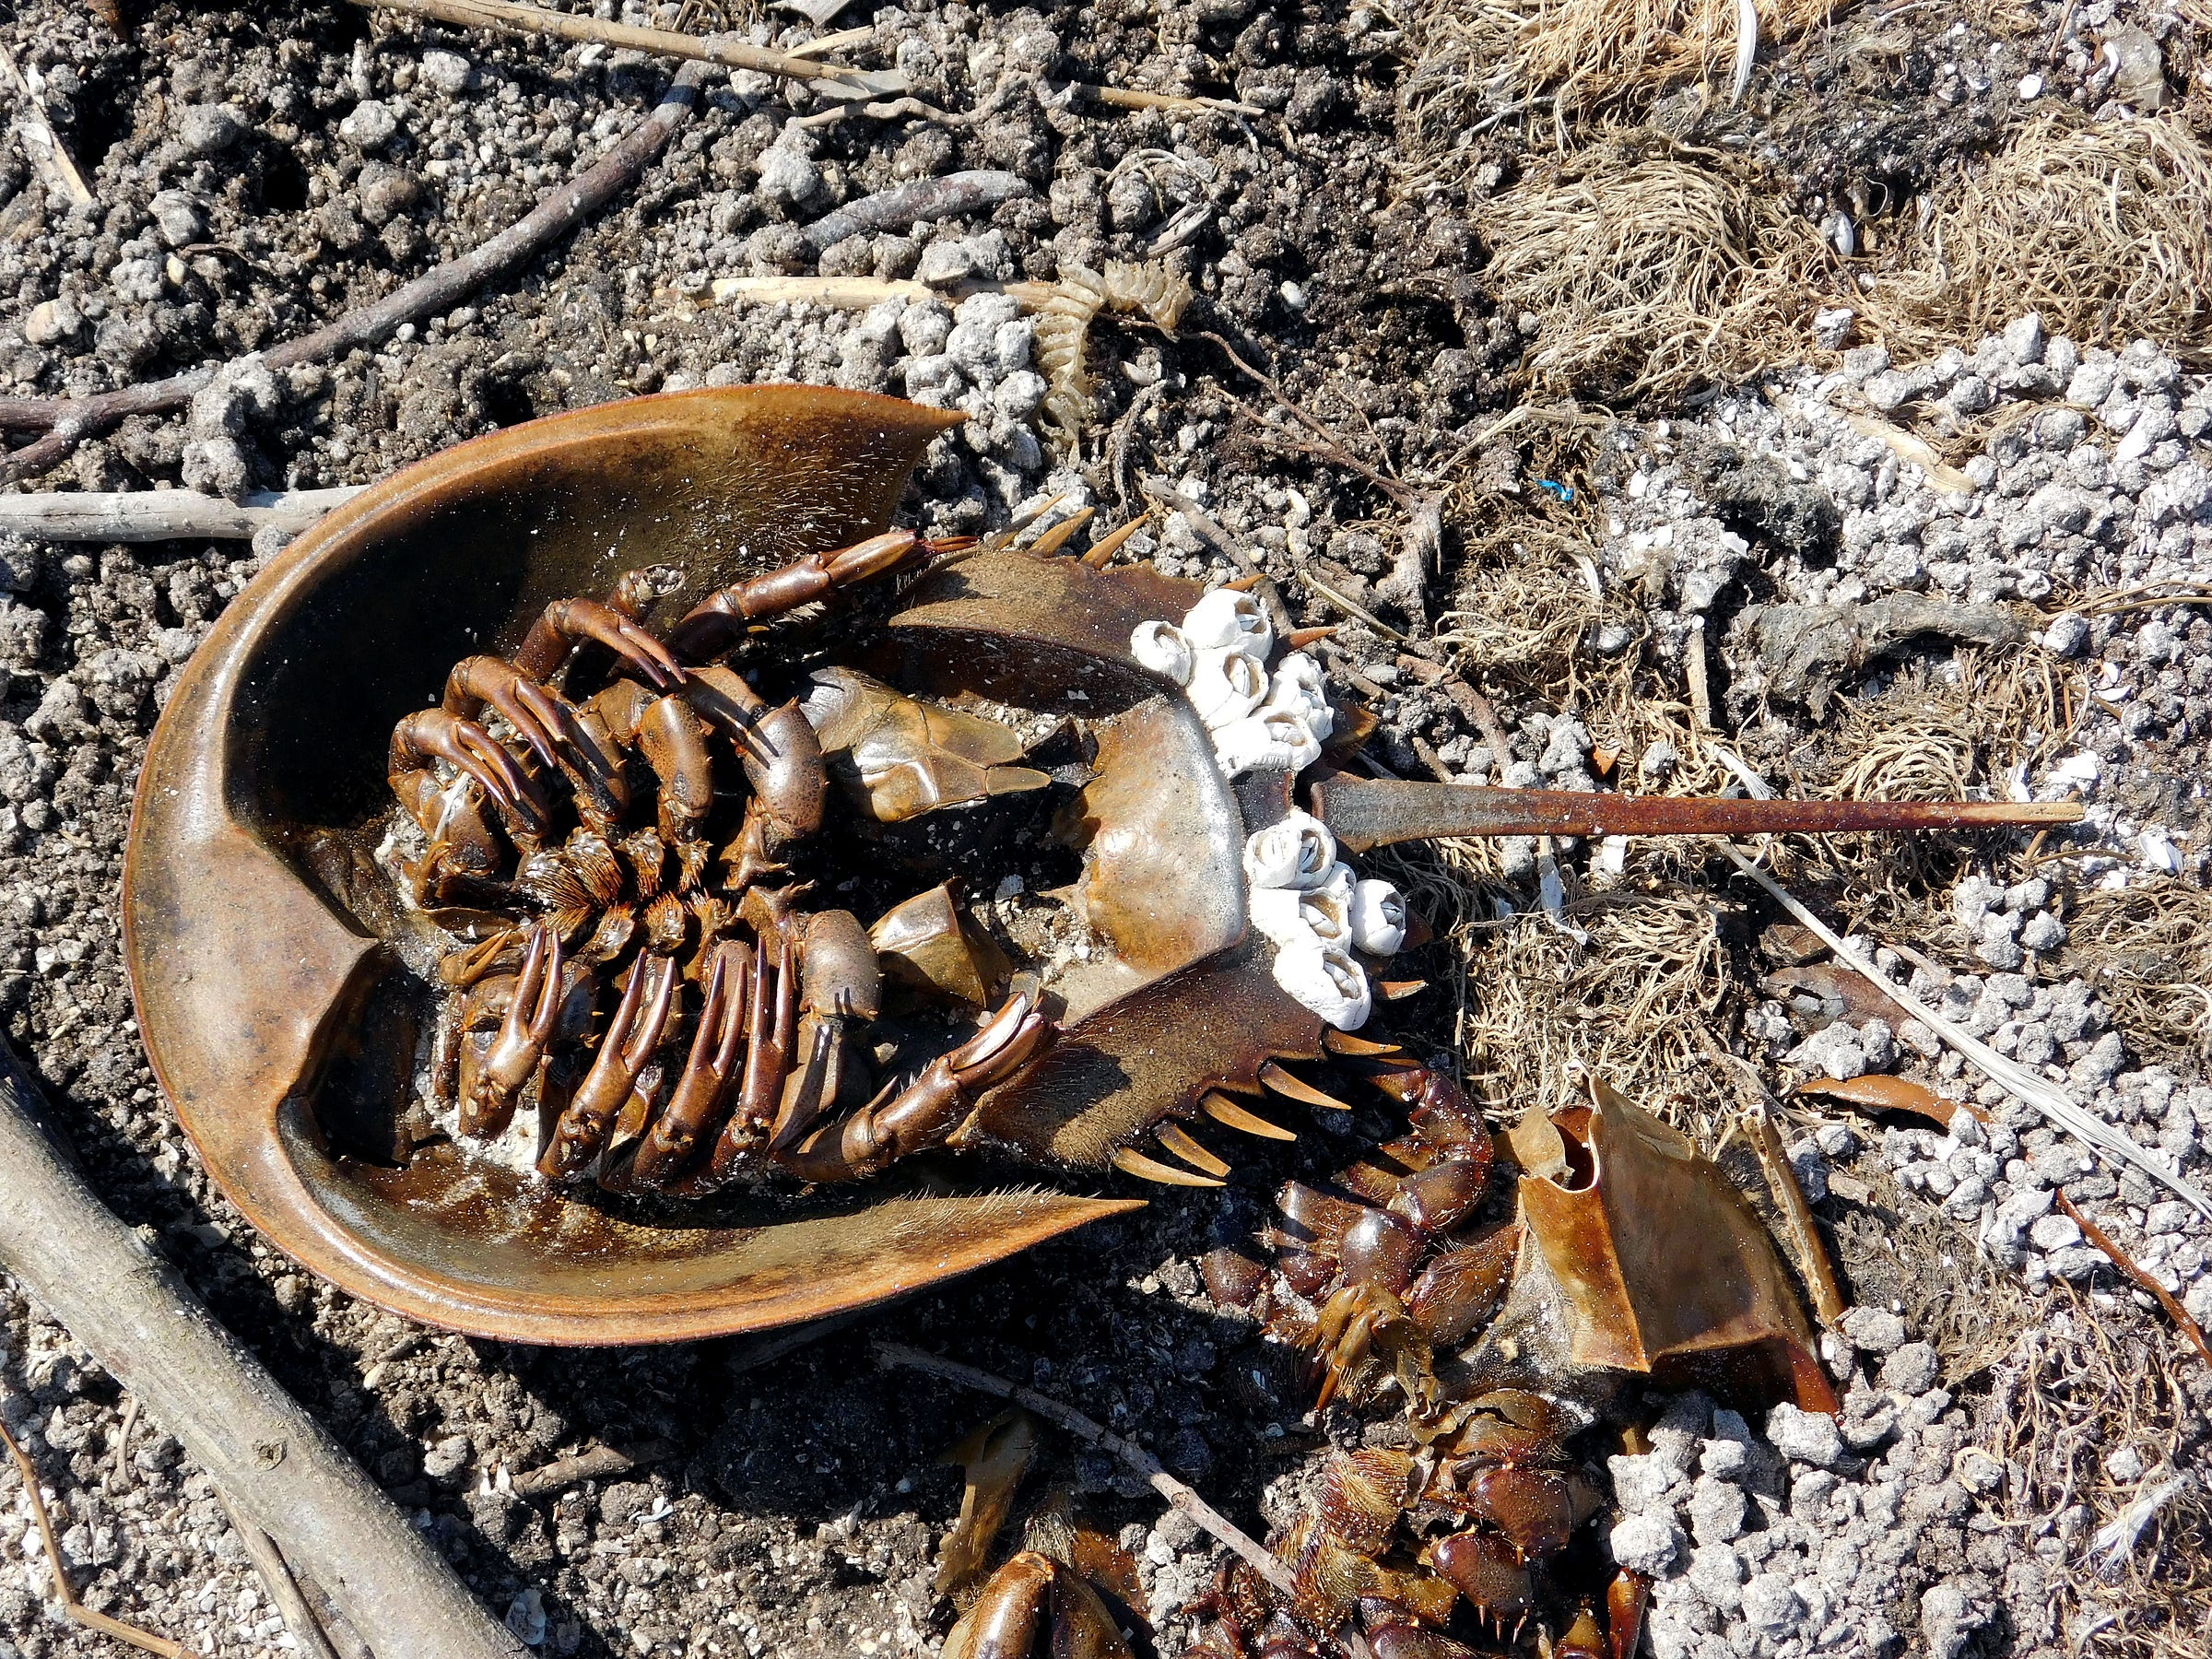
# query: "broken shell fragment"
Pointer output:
{"type": "Point", "coordinates": [926, 945]}
{"type": "Point", "coordinates": [1225, 685]}
{"type": "Point", "coordinates": [1297, 687]}
{"type": "Point", "coordinates": [1227, 620]}
{"type": "Point", "coordinates": [1378, 917]}
{"type": "Point", "coordinates": [1296, 851]}
{"type": "Point", "coordinates": [1163, 647]}
{"type": "Point", "coordinates": [1326, 979]}
{"type": "Point", "coordinates": [1273, 739]}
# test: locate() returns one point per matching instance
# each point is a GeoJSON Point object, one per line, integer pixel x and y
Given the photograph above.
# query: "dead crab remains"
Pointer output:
{"type": "Point", "coordinates": [610, 958]}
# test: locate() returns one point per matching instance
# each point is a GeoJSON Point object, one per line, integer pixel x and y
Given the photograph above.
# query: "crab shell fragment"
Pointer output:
{"type": "Point", "coordinates": [265, 944]}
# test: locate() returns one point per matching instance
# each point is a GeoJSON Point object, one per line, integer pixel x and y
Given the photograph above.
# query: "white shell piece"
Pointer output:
{"type": "Point", "coordinates": [1378, 917]}
{"type": "Point", "coordinates": [1225, 685]}
{"type": "Point", "coordinates": [1327, 913]}
{"type": "Point", "coordinates": [1296, 851]}
{"type": "Point", "coordinates": [1273, 739]}
{"type": "Point", "coordinates": [1163, 647]}
{"type": "Point", "coordinates": [1326, 979]}
{"type": "Point", "coordinates": [1227, 620]}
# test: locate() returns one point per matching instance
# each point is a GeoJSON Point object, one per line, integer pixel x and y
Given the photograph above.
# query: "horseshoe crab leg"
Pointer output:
{"type": "Point", "coordinates": [716, 623]}
{"type": "Point", "coordinates": [928, 1109]}
{"type": "Point", "coordinates": [562, 737]}
{"type": "Point", "coordinates": [774, 1008]}
{"type": "Point", "coordinates": [709, 1076]}
{"type": "Point", "coordinates": [434, 735]}
{"type": "Point", "coordinates": [1365, 813]}
{"type": "Point", "coordinates": [486, 1107]}
{"type": "Point", "coordinates": [566, 623]}
{"type": "Point", "coordinates": [631, 1037]}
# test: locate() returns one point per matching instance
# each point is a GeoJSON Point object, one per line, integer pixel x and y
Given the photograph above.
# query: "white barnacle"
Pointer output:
{"type": "Point", "coordinates": [1325, 979]}
{"type": "Point", "coordinates": [1293, 916]}
{"type": "Point", "coordinates": [1378, 917]}
{"type": "Point", "coordinates": [1227, 620]}
{"type": "Point", "coordinates": [1164, 649]}
{"type": "Point", "coordinates": [1296, 851]}
{"type": "Point", "coordinates": [1225, 685]}
{"type": "Point", "coordinates": [1271, 739]}
{"type": "Point", "coordinates": [1296, 685]}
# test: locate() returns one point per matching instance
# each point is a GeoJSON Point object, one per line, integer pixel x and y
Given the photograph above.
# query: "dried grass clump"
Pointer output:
{"type": "Point", "coordinates": [1522, 608]}
{"type": "Point", "coordinates": [1654, 268]}
{"type": "Point", "coordinates": [1542, 1005]}
{"type": "Point", "coordinates": [2092, 1376]}
{"type": "Point", "coordinates": [2147, 950]}
{"type": "Point", "coordinates": [1477, 62]}
{"type": "Point", "coordinates": [1932, 736]}
{"type": "Point", "coordinates": [2101, 229]}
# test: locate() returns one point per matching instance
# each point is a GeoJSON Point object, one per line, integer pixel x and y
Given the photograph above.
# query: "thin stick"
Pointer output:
{"type": "Point", "coordinates": [596, 1463]}
{"type": "Point", "coordinates": [2016, 1080]}
{"type": "Point", "coordinates": [848, 293]}
{"type": "Point", "coordinates": [1693, 666]}
{"type": "Point", "coordinates": [2120, 1258]}
{"type": "Point", "coordinates": [52, 162]}
{"type": "Point", "coordinates": [136, 1316]}
{"type": "Point", "coordinates": [507, 16]}
{"type": "Point", "coordinates": [1268, 1566]}
{"type": "Point", "coordinates": [284, 1590]}
{"type": "Point", "coordinates": [68, 421]}
{"type": "Point", "coordinates": [1129, 98]}
{"type": "Point", "coordinates": [149, 515]}
{"type": "Point", "coordinates": [73, 1609]}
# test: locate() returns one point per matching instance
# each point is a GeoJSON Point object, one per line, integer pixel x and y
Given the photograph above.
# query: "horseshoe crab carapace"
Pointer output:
{"type": "Point", "coordinates": [282, 975]}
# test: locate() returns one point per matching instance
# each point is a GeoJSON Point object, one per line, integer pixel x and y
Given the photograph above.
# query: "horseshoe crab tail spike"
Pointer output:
{"type": "Point", "coordinates": [1190, 1151]}
{"type": "Point", "coordinates": [1226, 1111]}
{"type": "Point", "coordinates": [1363, 813]}
{"type": "Point", "coordinates": [1052, 540]}
{"type": "Point", "coordinates": [1298, 1089]}
{"type": "Point", "coordinates": [1149, 1168]}
{"type": "Point", "coordinates": [1345, 1043]}
{"type": "Point", "coordinates": [1108, 545]}
{"type": "Point", "coordinates": [1297, 638]}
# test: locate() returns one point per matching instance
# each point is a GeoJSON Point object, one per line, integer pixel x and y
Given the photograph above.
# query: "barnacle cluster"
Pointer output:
{"type": "Point", "coordinates": [1320, 916]}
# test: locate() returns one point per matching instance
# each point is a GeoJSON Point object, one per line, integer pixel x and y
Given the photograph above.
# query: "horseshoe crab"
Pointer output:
{"type": "Point", "coordinates": [286, 977]}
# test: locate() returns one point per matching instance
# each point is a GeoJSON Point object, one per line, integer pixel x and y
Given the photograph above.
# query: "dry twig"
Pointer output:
{"type": "Point", "coordinates": [45, 151]}
{"type": "Point", "coordinates": [507, 16]}
{"type": "Point", "coordinates": [283, 1588]}
{"type": "Point", "coordinates": [148, 516]}
{"type": "Point", "coordinates": [1268, 1566]}
{"type": "Point", "coordinates": [280, 1467]}
{"type": "Point", "coordinates": [73, 1609]}
{"type": "Point", "coordinates": [68, 421]}
{"type": "Point", "coordinates": [2047, 1097]}
{"type": "Point", "coordinates": [2120, 1259]}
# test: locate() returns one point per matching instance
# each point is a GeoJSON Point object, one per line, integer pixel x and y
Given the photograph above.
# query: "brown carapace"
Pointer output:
{"type": "Point", "coordinates": [605, 899]}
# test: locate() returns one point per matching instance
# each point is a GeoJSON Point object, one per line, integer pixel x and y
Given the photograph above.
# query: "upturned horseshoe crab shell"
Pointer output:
{"type": "Point", "coordinates": [265, 944]}
{"type": "Point", "coordinates": [261, 936]}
